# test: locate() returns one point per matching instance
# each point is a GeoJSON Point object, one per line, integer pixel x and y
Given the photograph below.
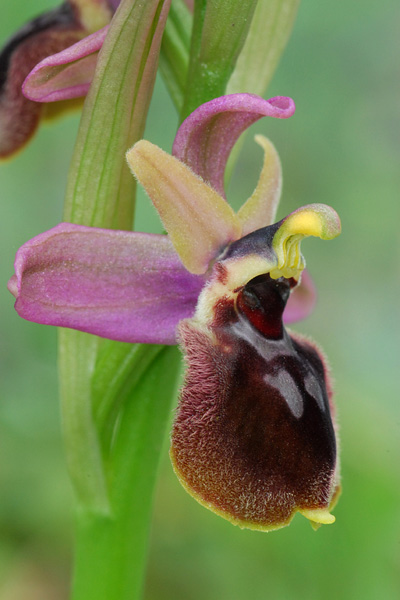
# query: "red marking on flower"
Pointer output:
{"type": "Point", "coordinates": [262, 302]}
{"type": "Point", "coordinates": [224, 311]}
{"type": "Point", "coordinates": [221, 273]}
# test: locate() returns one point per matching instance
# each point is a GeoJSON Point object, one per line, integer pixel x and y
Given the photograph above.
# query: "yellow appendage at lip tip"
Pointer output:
{"type": "Point", "coordinates": [318, 516]}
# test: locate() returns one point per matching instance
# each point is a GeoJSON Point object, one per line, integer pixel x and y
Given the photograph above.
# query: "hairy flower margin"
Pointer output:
{"type": "Point", "coordinates": [254, 436]}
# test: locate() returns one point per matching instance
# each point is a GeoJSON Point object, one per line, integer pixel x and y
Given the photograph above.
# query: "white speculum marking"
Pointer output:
{"type": "Point", "coordinates": [282, 380]}
{"type": "Point", "coordinates": [313, 388]}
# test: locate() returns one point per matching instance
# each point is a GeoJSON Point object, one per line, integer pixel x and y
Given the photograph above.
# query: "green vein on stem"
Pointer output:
{"type": "Point", "coordinates": [219, 32]}
{"type": "Point", "coordinates": [87, 204]}
{"type": "Point", "coordinates": [175, 47]}
{"type": "Point", "coordinates": [80, 433]}
{"type": "Point", "coordinates": [118, 368]}
{"type": "Point", "coordinates": [117, 102]}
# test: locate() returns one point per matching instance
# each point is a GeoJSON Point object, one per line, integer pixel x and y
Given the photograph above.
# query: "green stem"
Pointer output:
{"type": "Point", "coordinates": [174, 57]}
{"type": "Point", "coordinates": [112, 529]}
{"type": "Point", "coordinates": [101, 193]}
{"type": "Point", "coordinates": [84, 456]}
{"type": "Point", "coordinates": [219, 32]}
{"type": "Point", "coordinates": [111, 551]}
{"type": "Point", "coordinates": [118, 369]}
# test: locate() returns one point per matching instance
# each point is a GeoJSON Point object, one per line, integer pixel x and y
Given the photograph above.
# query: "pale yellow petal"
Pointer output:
{"type": "Point", "coordinates": [93, 14]}
{"type": "Point", "coordinates": [198, 220]}
{"type": "Point", "coordinates": [260, 209]}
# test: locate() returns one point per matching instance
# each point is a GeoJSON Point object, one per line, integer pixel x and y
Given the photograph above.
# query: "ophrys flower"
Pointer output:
{"type": "Point", "coordinates": [253, 439]}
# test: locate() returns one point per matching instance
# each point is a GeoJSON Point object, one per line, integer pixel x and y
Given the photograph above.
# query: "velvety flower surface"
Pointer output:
{"type": "Point", "coordinates": [43, 37]}
{"type": "Point", "coordinates": [253, 438]}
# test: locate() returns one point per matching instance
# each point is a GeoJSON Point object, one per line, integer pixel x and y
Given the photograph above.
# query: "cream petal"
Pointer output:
{"type": "Point", "coordinates": [260, 209]}
{"type": "Point", "coordinates": [198, 220]}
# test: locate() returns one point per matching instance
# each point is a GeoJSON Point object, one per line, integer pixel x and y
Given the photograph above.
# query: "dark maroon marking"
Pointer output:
{"type": "Point", "coordinates": [262, 301]}
{"type": "Point", "coordinates": [271, 441]}
{"type": "Point", "coordinates": [225, 313]}
{"type": "Point", "coordinates": [221, 272]}
{"type": "Point", "coordinates": [236, 442]}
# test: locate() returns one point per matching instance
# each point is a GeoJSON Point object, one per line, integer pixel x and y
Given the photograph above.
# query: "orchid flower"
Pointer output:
{"type": "Point", "coordinates": [66, 41]}
{"type": "Point", "coordinates": [254, 436]}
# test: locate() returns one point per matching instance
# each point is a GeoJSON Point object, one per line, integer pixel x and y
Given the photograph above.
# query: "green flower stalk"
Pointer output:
{"type": "Point", "coordinates": [219, 32]}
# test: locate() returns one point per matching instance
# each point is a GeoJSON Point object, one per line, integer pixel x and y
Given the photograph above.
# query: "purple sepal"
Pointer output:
{"type": "Point", "coordinates": [120, 285]}
{"type": "Point", "coordinates": [67, 74]}
{"type": "Point", "coordinates": [206, 138]}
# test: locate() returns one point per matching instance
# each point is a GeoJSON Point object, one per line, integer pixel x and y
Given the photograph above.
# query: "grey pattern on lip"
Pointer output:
{"type": "Point", "coordinates": [313, 387]}
{"type": "Point", "coordinates": [267, 349]}
{"type": "Point", "coordinates": [282, 380]}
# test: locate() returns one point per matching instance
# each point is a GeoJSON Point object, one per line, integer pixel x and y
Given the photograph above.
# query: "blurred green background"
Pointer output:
{"type": "Point", "coordinates": [342, 67]}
